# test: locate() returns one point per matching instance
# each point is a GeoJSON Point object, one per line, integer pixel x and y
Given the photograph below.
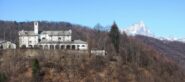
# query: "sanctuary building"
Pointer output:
{"type": "Point", "coordinates": [50, 39]}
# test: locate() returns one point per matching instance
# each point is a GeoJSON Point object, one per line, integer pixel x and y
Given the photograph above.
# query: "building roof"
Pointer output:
{"type": "Point", "coordinates": [51, 33]}
{"type": "Point", "coordinates": [69, 42]}
{"type": "Point", "coordinates": [57, 33]}
{"type": "Point", "coordinates": [55, 42]}
{"type": "Point", "coordinates": [79, 42]}
{"type": "Point", "coordinates": [26, 33]}
{"type": "Point", "coordinates": [1, 41]}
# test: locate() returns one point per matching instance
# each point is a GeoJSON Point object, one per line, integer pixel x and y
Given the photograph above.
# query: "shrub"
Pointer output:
{"type": "Point", "coordinates": [3, 78]}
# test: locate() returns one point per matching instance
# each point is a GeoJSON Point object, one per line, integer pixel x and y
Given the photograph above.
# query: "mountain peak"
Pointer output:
{"type": "Point", "coordinates": [138, 29]}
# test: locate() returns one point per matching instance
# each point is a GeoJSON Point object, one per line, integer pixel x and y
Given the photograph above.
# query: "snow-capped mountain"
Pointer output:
{"type": "Point", "coordinates": [138, 29]}
{"type": "Point", "coordinates": [182, 40]}
{"type": "Point", "coordinates": [141, 29]}
{"type": "Point", "coordinates": [171, 39]}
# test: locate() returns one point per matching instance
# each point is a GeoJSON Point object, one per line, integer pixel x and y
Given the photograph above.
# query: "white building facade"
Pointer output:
{"type": "Point", "coordinates": [49, 39]}
{"type": "Point", "coordinates": [7, 45]}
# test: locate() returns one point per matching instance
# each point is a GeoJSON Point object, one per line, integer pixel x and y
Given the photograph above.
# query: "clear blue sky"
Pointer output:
{"type": "Point", "coordinates": [163, 17]}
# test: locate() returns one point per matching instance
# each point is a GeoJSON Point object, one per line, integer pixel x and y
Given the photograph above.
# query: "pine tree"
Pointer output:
{"type": "Point", "coordinates": [3, 78]}
{"type": "Point", "coordinates": [115, 36]}
{"type": "Point", "coordinates": [35, 69]}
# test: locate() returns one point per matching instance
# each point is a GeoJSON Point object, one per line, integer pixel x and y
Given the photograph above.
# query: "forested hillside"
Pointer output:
{"type": "Point", "coordinates": [172, 49]}
{"type": "Point", "coordinates": [135, 61]}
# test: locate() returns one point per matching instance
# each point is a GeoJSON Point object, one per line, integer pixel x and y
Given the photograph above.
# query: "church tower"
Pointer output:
{"type": "Point", "coordinates": [36, 26]}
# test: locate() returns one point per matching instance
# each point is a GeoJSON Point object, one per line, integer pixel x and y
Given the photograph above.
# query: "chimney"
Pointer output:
{"type": "Point", "coordinates": [36, 26]}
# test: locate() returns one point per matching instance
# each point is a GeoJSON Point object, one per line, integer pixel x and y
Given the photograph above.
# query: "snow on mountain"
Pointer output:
{"type": "Point", "coordinates": [171, 39]}
{"type": "Point", "coordinates": [141, 29]}
{"type": "Point", "coordinates": [182, 40]}
{"type": "Point", "coordinates": [138, 29]}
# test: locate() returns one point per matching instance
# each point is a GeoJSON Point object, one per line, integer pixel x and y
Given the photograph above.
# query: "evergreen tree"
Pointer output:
{"type": "Point", "coordinates": [3, 78]}
{"type": "Point", "coordinates": [35, 69]}
{"type": "Point", "coordinates": [115, 36]}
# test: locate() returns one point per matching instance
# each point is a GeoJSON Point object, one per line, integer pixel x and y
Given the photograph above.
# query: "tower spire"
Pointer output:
{"type": "Point", "coordinates": [36, 26]}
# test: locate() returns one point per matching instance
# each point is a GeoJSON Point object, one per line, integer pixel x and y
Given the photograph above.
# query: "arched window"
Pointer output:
{"type": "Point", "coordinates": [46, 47]}
{"type": "Point", "coordinates": [73, 47]}
{"type": "Point", "coordinates": [59, 38]}
{"type": "Point", "coordinates": [23, 46]}
{"type": "Point", "coordinates": [62, 47]}
{"type": "Point", "coordinates": [30, 46]}
{"type": "Point", "coordinates": [57, 47]}
{"type": "Point", "coordinates": [40, 46]}
{"type": "Point", "coordinates": [1, 47]}
{"type": "Point", "coordinates": [51, 46]}
{"type": "Point", "coordinates": [68, 47]}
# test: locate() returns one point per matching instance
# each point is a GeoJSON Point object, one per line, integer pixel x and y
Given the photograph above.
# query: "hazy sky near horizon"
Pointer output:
{"type": "Point", "coordinates": [163, 17]}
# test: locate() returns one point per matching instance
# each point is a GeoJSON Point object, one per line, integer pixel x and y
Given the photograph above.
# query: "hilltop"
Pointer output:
{"type": "Point", "coordinates": [135, 62]}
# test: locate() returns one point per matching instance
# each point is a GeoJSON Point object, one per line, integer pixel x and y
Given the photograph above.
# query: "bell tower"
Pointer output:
{"type": "Point", "coordinates": [36, 26]}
